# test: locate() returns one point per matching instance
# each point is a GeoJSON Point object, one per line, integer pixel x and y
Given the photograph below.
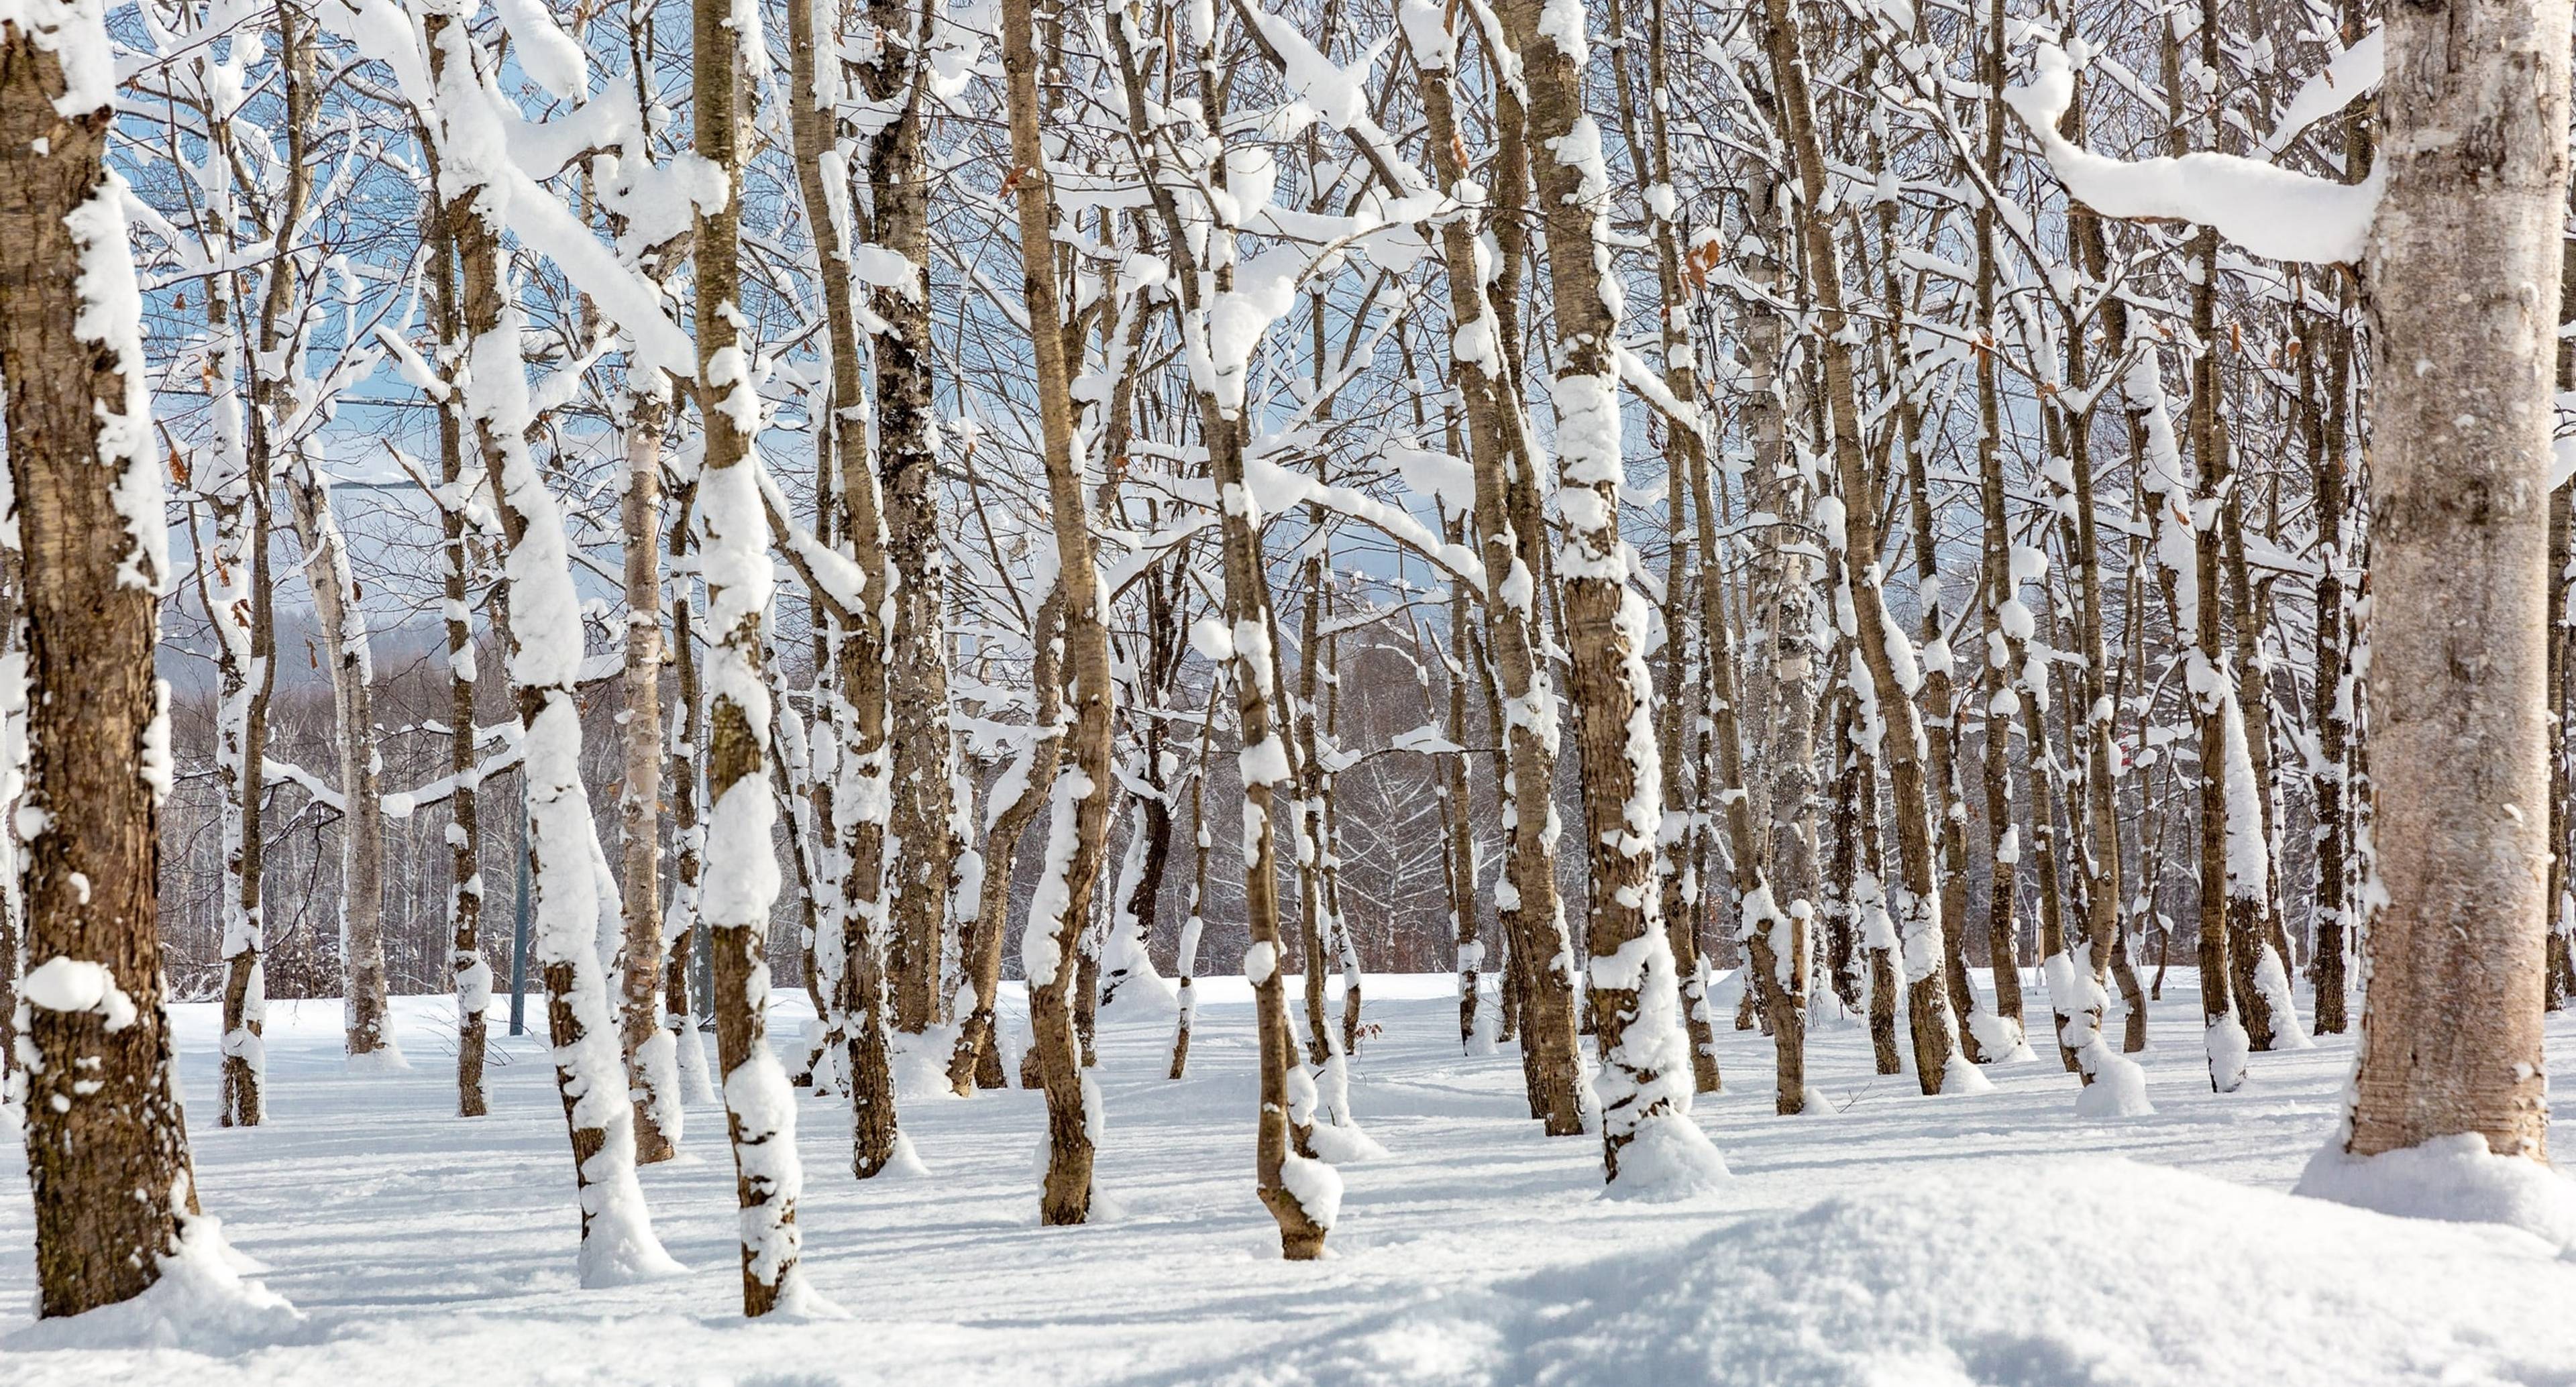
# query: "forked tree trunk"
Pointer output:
{"type": "Point", "coordinates": [1079, 812]}
{"type": "Point", "coordinates": [976, 1062]}
{"type": "Point", "coordinates": [2464, 269]}
{"type": "Point", "coordinates": [1538, 999]}
{"type": "Point", "coordinates": [1290, 1184]}
{"type": "Point", "coordinates": [617, 1243]}
{"type": "Point", "coordinates": [107, 1149]}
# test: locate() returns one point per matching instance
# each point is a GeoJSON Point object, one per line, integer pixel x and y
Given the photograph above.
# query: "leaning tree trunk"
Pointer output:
{"type": "Point", "coordinates": [1302, 1194]}
{"type": "Point", "coordinates": [2464, 270]}
{"type": "Point", "coordinates": [857, 644]}
{"type": "Point", "coordinates": [617, 1241]}
{"type": "Point", "coordinates": [107, 1149]}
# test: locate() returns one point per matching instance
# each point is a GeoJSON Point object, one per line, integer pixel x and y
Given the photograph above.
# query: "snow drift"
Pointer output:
{"type": "Point", "coordinates": [2030, 1273]}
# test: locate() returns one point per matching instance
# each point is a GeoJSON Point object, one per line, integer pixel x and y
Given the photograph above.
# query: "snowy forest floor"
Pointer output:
{"type": "Point", "coordinates": [1891, 1239]}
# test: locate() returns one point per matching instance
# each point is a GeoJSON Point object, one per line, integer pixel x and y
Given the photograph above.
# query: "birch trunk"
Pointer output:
{"type": "Point", "coordinates": [652, 1064]}
{"type": "Point", "coordinates": [617, 1244]}
{"type": "Point", "coordinates": [919, 850]}
{"type": "Point", "coordinates": [1894, 675]}
{"type": "Point", "coordinates": [2464, 268]}
{"type": "Point", "coordinates": [760, 1108]}
{"type": "Point", "coordinates": [341, 625]}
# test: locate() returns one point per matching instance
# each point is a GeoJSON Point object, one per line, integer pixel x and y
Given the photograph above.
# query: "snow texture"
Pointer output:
{"type": "Point", "coordinates": [2269, 211]}
{"type": "Point", "coordinates": [1481, 1252]}
{"type": "Point", "coordinates": [202, 1304]}
{"type": "Point", "coordinates": [1854, 1289]}
{"type": "Point", "coordinates": [2455, 1179]}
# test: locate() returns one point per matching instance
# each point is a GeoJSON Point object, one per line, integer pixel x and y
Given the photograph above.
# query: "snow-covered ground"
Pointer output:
{"type": "Point", "coordinates": [1891, 1239]}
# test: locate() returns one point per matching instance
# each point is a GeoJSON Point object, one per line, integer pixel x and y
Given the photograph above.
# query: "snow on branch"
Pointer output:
{"type": "Point", "coordinates": [2270, 211]}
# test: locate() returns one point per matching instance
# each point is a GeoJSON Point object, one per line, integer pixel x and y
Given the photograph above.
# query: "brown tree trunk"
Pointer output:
{"type": "Point", "coordinates": [471, 974]}
{"type": "Point", "coordinates": [2464, 268]}
{"type": "Point", "coordinates": [1082, 790]}
{"type": "Point", "coordinates": [1643, 1084]}
{"type": "Point", "coordinates": [1918, 887]}
{"type": "Point", "coordinates": [976, 1062]}
{"type": "Point", "coordinates": [1538, 1003]}
{"type": "Point", "coordinates": [734, 557]}
{"type": "Point", "coordinates": [919, 850]}
{"type": "Point", "coordinates": [107, 1148]}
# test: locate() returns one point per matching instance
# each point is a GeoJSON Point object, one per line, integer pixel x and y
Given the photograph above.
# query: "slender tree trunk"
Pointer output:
{"type": "Point", "coordinates": [1079, 808]}
{"type": "Point", "coordinates": [760, 1110]}
{"type": "Point", "coordinates": [652, 1066]}
{"type": "Point", "coordinates": [976, 1061]}
{"type": "Point", "coordinates": [471, 974]}
{"type": "Point", "coordinates": [1894, 675]}
{"type": "Point", "coordinates": [860, 798]}
{"type": "Point", "coordinates": [341, 625]}
{"type": "Point", "coordinates": [1192, 927]}
{"type": "Point", "coordinates": [681, 927]}
{"type": "Point", "coordinates": [238, 604]}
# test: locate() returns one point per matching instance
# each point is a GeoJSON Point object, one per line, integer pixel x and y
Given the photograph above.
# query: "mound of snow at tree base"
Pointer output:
{"type": "Point", "coordinates": [2097, 1272]}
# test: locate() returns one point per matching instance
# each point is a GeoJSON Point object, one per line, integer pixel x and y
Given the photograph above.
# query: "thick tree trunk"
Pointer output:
{"type": "Point", "coordinates": [107, 1149]}
{"type": "Point", "coordinates": [2464, 269]}
{"type": "Point", "coordinates": [1643, 1086]}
